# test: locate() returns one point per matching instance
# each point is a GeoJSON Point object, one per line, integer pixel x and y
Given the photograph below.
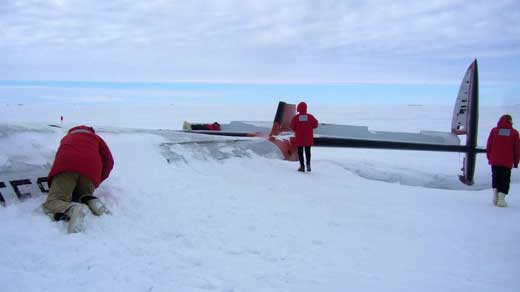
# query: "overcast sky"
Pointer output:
{"type": "Point", "coordinates": [267, 41]}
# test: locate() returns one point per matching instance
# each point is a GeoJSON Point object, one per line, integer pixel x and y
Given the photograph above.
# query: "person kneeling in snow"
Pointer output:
{"type": "Point", "coordinates": [82, 162]}
{"type": "Point", "coordinates": [503, 152]}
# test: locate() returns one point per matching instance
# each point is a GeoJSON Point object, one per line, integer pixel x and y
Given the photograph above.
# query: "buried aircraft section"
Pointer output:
{"type": "Point", "coordinates": [464, 122]}
{"type": "Point", "coordinates": [27, 152]}
{"type": "Point", "coordinates": [218, 149]}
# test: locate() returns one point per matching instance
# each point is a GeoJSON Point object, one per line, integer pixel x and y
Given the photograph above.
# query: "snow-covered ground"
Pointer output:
{"type": "Point", "coordinates": [363, 220]}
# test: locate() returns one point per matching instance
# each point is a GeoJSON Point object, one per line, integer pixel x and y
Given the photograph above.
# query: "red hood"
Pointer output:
{"type": "Point", "coordinates": [82, 127]}
{"type": "Point", "coordinates": [504, 123]}
{"type": "Point", "coordinates": [302, 108]}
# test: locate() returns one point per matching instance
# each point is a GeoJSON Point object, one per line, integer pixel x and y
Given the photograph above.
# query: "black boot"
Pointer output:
{"type": "Point", "coordinates": [308, 166]}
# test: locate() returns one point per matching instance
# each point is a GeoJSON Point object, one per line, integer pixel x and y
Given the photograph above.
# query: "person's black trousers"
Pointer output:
{"type": "Point", "coordinates": [501, 178]}
{"type": "Point", "coordinates": [307, 155]}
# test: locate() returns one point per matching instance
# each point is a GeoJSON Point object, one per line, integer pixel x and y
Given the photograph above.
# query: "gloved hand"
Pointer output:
{"type": "Point", "coordinates": [516, 165]}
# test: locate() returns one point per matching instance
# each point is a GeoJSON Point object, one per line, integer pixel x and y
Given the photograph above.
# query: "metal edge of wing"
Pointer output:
{"type": "Point", "coordinates": [324, 141]}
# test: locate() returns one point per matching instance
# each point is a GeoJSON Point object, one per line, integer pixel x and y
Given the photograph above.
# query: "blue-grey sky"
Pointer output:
{"type": "Point", "coordinates": [267, 41]}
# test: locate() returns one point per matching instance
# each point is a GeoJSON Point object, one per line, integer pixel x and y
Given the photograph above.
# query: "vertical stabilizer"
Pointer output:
{"type": "Point", "coordinates": [459, 123]}
{"type": "Point", "coordinates": [465, 120]}
{"type": "Point", "coordinates": [282, 118]}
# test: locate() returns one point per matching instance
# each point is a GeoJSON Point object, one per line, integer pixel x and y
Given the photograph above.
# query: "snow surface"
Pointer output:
{"type": "Point", "coordinates": [363, 220]}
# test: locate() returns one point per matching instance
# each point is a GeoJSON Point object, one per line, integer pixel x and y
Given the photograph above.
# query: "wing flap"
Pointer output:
{"type": "Point", "coordinates": [363, 133]}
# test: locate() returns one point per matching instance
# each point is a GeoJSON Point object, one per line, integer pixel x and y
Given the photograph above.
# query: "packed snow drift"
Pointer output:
{"type": "Point", "coordinates": [193, 215]}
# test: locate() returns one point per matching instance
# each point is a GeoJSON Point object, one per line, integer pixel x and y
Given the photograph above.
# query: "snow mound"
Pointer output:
{"type": "Point", "coordinates": [219, 150]}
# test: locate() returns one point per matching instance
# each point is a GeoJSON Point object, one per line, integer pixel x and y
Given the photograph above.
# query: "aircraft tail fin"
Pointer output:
{"type": "Point", "coordinates": [465, 120]}
{"type": "Point", "coordinates": [282, 118]}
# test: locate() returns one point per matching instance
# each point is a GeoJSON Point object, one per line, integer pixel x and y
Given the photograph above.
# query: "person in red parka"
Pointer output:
{"type": "Point", "coordinates": [83, 161]}
{"type": "Point", "coordinates": [212, 127]}
{"type": "Point", "coordinates": [206, 127]}
{"type": "Point", "coordinates": [303, 125]}
{"type": "Point", "coordinates": [503, 153]}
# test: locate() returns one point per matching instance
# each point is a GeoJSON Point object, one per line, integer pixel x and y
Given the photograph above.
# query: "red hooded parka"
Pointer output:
{"type": "Point", "coordinates": [303, 124]}
{"type": "Point", "coordinates": [82, 151]}
{"type": "Point", "coordinates": [503, 145]}
{"type": "Point", "coordinates": [213, 127]}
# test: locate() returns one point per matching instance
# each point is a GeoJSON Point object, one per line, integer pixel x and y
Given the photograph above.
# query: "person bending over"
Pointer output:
{"type": "Point", "coordinates": [83, 161]}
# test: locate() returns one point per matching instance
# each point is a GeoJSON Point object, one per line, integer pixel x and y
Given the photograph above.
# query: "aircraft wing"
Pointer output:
{"type": "Point", "coordinates": [464, 122]}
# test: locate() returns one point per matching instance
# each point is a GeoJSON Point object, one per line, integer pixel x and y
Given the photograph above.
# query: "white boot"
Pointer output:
{"type": "Point", "coordinates": [501, 202]}
{"type": "Point", "coordinates": [495, 196]}
{"type": "Point", "coordinates": [97, 207]}
{"type": "Point", "coordinates": [76, 213]}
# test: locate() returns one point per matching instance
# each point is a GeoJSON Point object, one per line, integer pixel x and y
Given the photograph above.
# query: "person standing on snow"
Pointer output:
{"type": "Point", "coordinates": [303, 125]}
{"type": "Point", "coordinates": [503, 152]}
{"type": "Point", "coordinates": [82, 162]}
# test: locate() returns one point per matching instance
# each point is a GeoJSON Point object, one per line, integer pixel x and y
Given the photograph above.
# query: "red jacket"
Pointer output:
{"type": "Point", "coordinates": [503, 145]}
{"type": "Point", "coordinates": [82, 151]}
{"type": "Point", "coordinates": [212, 127]}
{"type": "Point", "coordinates": [303, 124]}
